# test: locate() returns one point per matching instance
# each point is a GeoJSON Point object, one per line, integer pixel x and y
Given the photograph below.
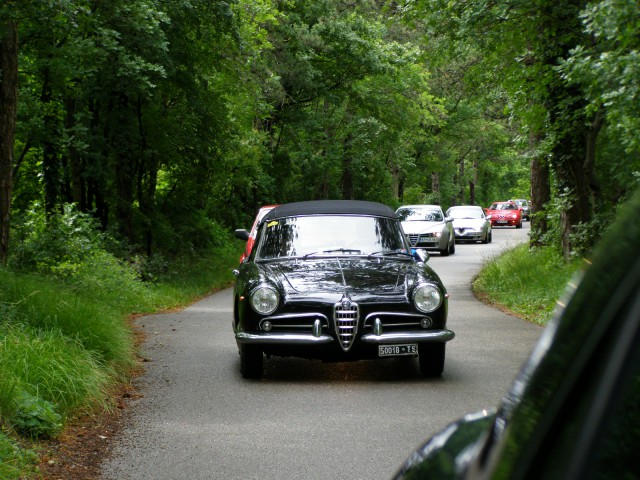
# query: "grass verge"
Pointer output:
{"type": "Point", "coordinates": [67, 345]}
{"type": "Point", "coordinates": [525, 282]}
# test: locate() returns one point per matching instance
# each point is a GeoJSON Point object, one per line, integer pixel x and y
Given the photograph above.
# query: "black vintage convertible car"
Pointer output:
{"type": "Point", "coordinates": [336, 280]}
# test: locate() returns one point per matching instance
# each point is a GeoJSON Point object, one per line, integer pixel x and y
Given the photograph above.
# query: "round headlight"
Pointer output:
{"type": "Point", "coordinates": [427, 298]}
{"type": "Point", "coordinates": [264, 300]}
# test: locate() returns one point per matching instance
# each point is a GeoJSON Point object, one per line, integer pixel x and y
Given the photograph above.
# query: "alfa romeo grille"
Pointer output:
{"type": "Point", "coordinates": [414, 239]}
{"type": "Point", "coordinates": [345, 316]}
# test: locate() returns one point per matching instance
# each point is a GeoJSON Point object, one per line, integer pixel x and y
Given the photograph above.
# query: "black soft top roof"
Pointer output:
{"type": "Point", "coordinates": [329, 207]}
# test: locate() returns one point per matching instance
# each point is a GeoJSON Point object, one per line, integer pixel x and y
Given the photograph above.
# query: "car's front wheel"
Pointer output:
{"type": "Point", "coordinates": [431, 358]}
{"type": "Point", "coordinates": [251, 365]}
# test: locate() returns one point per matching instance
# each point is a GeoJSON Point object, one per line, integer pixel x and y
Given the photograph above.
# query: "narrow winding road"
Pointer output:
{"type": "Point", "coordinates": [198, 419]}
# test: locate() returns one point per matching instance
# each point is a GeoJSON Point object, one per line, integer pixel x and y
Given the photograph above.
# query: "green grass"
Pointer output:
{"type": "Point", "coordinates": [527, 282]}
{"type": "Point", "coordinates": [16, 462]}
{"type": "Point", "coordinates": [66, 345]}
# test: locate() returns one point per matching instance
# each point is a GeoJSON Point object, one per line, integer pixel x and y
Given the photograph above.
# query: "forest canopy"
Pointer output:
{"type": "Point", "coordinates": [171, 121]}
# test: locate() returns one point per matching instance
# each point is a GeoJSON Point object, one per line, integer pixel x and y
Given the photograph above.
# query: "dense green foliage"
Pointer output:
{"type": "Point", "coordinates": [143, 131]}
{"type": "Point", "coordinates": [65, 341]}
{"type": "Point", "coordinates": [569, 73]}
{"type": "Point", "coordinates": [169, 120]}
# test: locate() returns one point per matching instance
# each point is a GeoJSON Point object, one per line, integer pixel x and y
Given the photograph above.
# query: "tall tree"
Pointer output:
{"type": "Point", "coordinates": [522, 46]}
{"type": "Point", "coordinates": [8, 107]}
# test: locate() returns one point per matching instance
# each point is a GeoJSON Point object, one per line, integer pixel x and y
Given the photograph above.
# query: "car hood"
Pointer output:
{"type": "Point", "coordinates": [502, 212]}
{"type": "Point", "coordinates": [335, 275]}
{"type": "Point", "coordinates": [418, 227]}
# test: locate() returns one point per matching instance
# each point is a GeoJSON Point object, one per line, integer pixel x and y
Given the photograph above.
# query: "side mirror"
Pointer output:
{"type": "Point", "coordinates": [241, 234]}
{"type": "Point", "coordinates": [420, 255]}
{"type": "Point", "coordinates": [448, 219]}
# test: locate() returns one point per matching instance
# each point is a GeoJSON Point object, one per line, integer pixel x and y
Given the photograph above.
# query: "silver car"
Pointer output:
{"type": "Point", "coordinates": [427, 228]}
{"type": "Point", "coordinates": [524, 207]}
{"type": "Point", "coordinates": [470, 223]}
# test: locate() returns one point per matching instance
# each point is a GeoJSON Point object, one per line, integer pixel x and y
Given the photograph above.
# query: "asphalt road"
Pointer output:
{"type": "Point", "coordinates": [198, 419]}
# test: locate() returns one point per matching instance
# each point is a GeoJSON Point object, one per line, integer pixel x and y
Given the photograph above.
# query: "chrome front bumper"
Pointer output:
{"type": "Point", "coordinates": [275, 338]}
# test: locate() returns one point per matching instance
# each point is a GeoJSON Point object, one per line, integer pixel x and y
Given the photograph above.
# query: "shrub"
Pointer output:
{"type": "Point", "coordinates": [42, 243]}
{"type": "Point", "coordinates": [35, 417]}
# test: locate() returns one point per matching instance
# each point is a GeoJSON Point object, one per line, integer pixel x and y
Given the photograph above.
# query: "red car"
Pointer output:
{"type": "Point", "coordinates": [250, 236]}
{"type": "Point", "coordinates": [505, 214]}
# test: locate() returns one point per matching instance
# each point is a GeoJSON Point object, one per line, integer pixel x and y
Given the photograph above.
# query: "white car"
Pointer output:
{"type": "Point", "coordinates": [427, 228]}
{"type": "Point", "coordinates": [470, 224]}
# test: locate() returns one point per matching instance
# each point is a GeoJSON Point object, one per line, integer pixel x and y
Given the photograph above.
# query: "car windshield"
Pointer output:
{"type": "Point", "coordinates": [466, 213]}
{"type": "Point", "coordinates": [503, 206]}
{"type": "Point", "coordinates": [322, 235]}
{"type": "Point", "coordinates": [419, 215]}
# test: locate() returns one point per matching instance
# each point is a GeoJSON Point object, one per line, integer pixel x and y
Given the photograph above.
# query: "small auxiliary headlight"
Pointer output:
{"type": "Point", "coordinates": [264, 300]}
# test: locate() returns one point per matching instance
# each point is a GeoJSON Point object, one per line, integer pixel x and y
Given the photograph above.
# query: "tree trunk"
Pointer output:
{"type": "Point", "coordinates": [347, 170]}
{"type": "Point", "coordinates": [147, 183]}
{"type": "Point", "coordinates": [77, 187]}
{"type": "Point", "coordinates": [50, 164]}
{"type": "Point", "coordinates": [473, 183]}
{"type": "Point", "coordinates": [570, 154]}
{"type": "Point", "coordinates": [540, 194]}
{"type": "Point", "coordinates": [460, 183]}
{"type": "Point", "coordinates": [8, 108]}
{"type": "Point", "coordinates": [396, 181]}
{"type": "Point", "coordinates": [120, 134]}
{"type": "Point", "coordinates": [435, 185]}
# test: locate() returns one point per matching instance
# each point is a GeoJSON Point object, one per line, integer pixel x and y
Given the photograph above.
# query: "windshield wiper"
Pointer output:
{"type": "Point", "coordinates": [342, 250]}
{"type": "Point", "coordinates": [335, 250]}
{"type": "Point", "coordinates": [375, 254]}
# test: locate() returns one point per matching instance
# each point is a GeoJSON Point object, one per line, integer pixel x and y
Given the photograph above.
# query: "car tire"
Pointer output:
{"type": "Point", "coordinates": [452, 248]}
{"type": "Point", "coordinates": [490, 234]}
{"type": "Point", "coordinates": [431, 358]}
{"type": "Point", "coordinates": [445, 251]}
{"type": "Point", "coordinates": [251, 365]}
{"type": "Point", "coordinates": [519, 225]}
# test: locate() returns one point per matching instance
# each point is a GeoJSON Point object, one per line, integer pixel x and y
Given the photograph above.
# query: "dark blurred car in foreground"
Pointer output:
{"type": "Point", "coordinates": [250, 236]}
{"type": "Point", "coordinates": [504, 214]}
{"type": "Point", "coordinates": [525, 208]}
{"type": "Point", "coordinates": [335, 280]}
{"type": "Point", "coordinates": [573, 412]}
{"type": "Point", "coordinates": [427, 227]}
{"type": "Point", "coordinates": [470, 224]}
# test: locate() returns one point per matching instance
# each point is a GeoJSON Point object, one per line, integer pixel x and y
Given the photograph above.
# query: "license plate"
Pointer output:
{"type": "Point", "coordinates": [431, 240]}
{"type": "Point", "coordinates": [397, 350]}
{"type": "Point", "coordinates": [501, 221]}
